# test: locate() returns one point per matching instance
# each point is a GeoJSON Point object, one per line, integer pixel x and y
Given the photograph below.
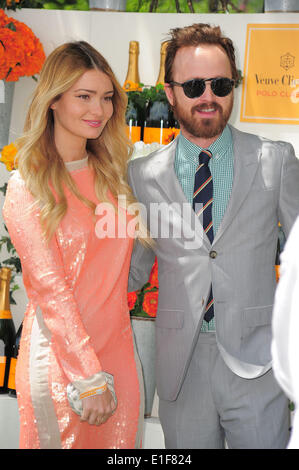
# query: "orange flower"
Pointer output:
{"type": "Point", "coordinates": [2, 17]}
{"type": "Point", "coordinates": [172, 135]}
{"type": "Point", "coordinates": [132, 297]}
{"type": "Point", "coordinates": [150, 303]}
{"type": "Point", "coordinates": [21, 52]}
{"type": "Point", "coordinates": [153, 279]}
{"type": "Point", "coordinates": [8, 157]}
{"type": "Point", "coordinates": [131, 86]}
{"type": "Point", "coordinates": [9, 2]}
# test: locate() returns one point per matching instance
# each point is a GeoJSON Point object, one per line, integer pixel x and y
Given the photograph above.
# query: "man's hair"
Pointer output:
{"type": "Point", "coordinates": [195, 35]}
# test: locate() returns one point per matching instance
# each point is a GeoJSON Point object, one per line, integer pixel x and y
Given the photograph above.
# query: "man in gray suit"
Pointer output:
{"type": "Point", "coordinates": [213, 326]}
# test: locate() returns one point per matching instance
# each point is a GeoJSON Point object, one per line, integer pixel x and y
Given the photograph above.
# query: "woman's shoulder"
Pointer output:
{"type": "Point", "coordinates": [17, 191]}
{"type": "Point", "coordinates": [16, 179]}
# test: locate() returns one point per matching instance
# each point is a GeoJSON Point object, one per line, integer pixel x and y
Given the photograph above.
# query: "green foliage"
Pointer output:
{"type": "Point", "coordinates": [3, 189]}
{"type": "Point", "coordinates": [66, 5]}
{"type": "Point", "coordinates": [51, 5]}
{"type": "Point", "coordinates": [13, 5]}
{"type": "Point", "coordinates": [158, 6]}
{"type": "Point", "coordinates": [140, 99]}
{"type": "Point", "coordinates": [167, 6]}
{"type": "Point", "coordinates": [138, 310]}
{"type": "Point", "coordinates": [291, 406]}
{"type": "Point", "coordinates": [239, 79]}
{"type": "Point", "coordinates": [196, 6]}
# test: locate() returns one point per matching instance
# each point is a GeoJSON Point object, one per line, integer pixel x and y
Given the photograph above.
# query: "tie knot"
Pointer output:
{"type": "Point", "coordinates": [204, 157]}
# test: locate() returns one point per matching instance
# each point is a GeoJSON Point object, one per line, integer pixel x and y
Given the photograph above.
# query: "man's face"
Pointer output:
{"type": "Point", "coordinates": [201, 119]}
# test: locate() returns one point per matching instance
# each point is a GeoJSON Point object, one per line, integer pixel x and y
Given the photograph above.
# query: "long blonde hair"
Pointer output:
{"type": "Point", "coordinates": [39, 162]}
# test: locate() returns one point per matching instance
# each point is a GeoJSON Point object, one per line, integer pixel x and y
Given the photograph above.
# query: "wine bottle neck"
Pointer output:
{"type": "Point", "coordinates": [161, 75]}
{"type": "Point", "coordinates": [133, 74]}
{"type": "Point", "coordinates": [5, 275]}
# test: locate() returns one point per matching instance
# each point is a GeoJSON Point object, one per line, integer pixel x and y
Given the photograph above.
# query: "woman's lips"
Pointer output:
{"type": "Point", "coordinates": [93, 123]}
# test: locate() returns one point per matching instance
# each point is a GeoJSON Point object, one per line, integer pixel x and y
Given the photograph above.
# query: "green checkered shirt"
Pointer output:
{"type": "Point", "coordinates": [222, 169]}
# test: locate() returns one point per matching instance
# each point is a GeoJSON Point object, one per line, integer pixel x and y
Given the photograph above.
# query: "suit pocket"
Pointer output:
{"type": "Point", "coordinates": [257, 316]}
{"type": "Point", "coordinates": [257, 333]}
{"type": "Point", "coordinates": [170, 319]}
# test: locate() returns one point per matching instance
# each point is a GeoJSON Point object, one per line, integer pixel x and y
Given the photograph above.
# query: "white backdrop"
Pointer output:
{"type": "Point", "coordinates": [110, 33]}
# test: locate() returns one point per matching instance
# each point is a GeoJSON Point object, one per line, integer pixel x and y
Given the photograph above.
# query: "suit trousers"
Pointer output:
{"type": "Point", "coordinates": [215, 405]}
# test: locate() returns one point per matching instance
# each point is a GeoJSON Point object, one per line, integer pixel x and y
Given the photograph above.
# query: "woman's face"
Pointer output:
{"type": "Point", "coordinates": [83, 111]}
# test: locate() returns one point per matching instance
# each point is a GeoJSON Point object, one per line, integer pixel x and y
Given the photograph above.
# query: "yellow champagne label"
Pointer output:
{"type": "Point", "coordinates": [271, 81]}
{"type": "Point", "coordinates": [12, 374]}
{"type": "Point", "coordinates": [5, 315]}
{"type": "Point", "coordinates": [160, 135]}
{"type": "Point", "coordinates": [134, 133]}
{"type": "Point", "coordinates": [2, 370]}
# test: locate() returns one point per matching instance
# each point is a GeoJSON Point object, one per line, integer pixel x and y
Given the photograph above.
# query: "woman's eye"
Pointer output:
{"type": "Point", "coordinates": [84, 97]}
{"type": "Point", "coordinates": [108, 98]}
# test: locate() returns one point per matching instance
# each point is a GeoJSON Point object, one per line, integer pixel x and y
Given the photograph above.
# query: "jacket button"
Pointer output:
{"type": "Point", "coordinates": [213, 254]}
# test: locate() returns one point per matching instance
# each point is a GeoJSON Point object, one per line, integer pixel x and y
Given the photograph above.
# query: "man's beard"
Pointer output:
{"type": "Point", "coordinates": [204, 128]}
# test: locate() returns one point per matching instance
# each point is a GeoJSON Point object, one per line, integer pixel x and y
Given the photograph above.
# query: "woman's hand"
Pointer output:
{"type": "Point", "coordinates": [98, 408]}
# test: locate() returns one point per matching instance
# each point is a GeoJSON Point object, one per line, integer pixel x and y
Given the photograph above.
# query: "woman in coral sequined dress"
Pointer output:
{"type": "Point", "coordinates": [72, 157]}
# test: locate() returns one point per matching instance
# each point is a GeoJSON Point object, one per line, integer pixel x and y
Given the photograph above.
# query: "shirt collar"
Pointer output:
{"type": "Point", "coordinates": [190, 151]}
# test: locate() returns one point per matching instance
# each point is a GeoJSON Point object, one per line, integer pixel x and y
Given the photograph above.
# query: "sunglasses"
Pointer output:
{"type": "Point", "coordinates": [221, 86]}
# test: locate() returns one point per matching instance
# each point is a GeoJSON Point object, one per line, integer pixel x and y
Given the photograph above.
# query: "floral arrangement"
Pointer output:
{"type": "Point", "coordinates": [21, 52]}
{"type": "Point", "coordinates": [144, 302]}
{"type": "Point", "coordinates": [8, 157]}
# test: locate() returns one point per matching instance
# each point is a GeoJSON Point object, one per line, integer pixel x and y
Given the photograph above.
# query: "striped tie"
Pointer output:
{"type": "Point", "coordinates": [202, 204]}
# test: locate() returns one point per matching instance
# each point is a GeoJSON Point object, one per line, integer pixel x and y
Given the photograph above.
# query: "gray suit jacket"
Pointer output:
{"type": "Point", "coordinates": [239, 263]}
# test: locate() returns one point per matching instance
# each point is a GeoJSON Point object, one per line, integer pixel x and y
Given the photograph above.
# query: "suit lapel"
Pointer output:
{"type": "Point", "coordinates": [163, 172]}
{"type": "Point", "coordinates": [246, 160]}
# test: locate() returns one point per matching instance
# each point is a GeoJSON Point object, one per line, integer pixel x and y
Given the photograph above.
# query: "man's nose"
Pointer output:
{"type": "Point", "coordinates": [208, 93]}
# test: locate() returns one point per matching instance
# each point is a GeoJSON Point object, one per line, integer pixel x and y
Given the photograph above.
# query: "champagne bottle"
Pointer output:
{"type": "Point", "coordinates": [13, 362]}
{"type": "Point", "coordinates": [7, 329]}
{"type": "Point", "coordinates": [133, 116]}
{"type": "Point", "coordinates": [160, 125]}
{"type": "Point", "coordinates": [132, 79]}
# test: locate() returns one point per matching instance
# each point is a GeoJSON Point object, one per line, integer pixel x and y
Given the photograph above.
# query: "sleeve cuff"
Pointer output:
{"type": "Point", "coordinates": [95, 381]}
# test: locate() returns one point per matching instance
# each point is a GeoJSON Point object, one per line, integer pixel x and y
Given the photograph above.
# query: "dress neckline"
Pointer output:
{"type": "Point", "coordinates": [76, 164]}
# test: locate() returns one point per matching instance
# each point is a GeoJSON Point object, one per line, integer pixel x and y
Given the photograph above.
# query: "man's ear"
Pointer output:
{"type": "Point", "coordinates": [169, 93]}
